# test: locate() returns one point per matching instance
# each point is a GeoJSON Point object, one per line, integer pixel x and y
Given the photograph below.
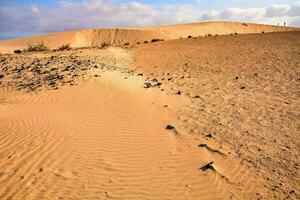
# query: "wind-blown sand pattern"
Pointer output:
{"type": "Point", "coordinates": [100, 140]}
{"type": "Point", "coordinates": [201, 118]}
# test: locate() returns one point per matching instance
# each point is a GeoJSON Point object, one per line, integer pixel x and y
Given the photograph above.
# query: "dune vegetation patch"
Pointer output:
{"type": "Point", "coordinates": [64, 47]}
{"type": "Point", "coordinates": [36, 47]}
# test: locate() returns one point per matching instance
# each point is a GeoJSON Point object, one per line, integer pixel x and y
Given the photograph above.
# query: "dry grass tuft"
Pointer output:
{"type": "Point", "coordinates": [37, 47]}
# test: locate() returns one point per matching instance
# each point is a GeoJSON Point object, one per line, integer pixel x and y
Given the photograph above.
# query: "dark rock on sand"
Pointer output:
{"type": "Point", "coordinates": [170, 127]}
{"type": "Point", "coordinates": [208, 166]}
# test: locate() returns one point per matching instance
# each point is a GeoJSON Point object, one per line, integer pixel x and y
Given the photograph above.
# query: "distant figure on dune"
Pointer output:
{"type": "Point", "coordinates": [284, 23]}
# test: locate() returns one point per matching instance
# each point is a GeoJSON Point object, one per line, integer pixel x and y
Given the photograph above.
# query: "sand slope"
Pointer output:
{"type": "Point", "coordinates": [95, 37]}
{"type": "Point", "coordinates": [91, 123]}
{"type": "Point", "coordinates": [105, 138]}
{"type": "Point", "coordinates": [245, 91]}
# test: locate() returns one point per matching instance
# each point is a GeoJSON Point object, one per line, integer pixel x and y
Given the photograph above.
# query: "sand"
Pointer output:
{"type": "Point", "coordinates": [244, 90]}
{"type": "Point", "coordinates": [200, 118]}
{"type": "Point", "coordinates": [106, 137]}
{"type": "Point", "coordinates": [120, 37]}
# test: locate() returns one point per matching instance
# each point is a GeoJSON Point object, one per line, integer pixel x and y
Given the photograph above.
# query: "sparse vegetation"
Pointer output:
{"type": "Point", "coordinates": [126, 44]}
{"type": "Point", "coordinates": [189, 36]}
{"type": "Point", "coordinates": [64, 47]}
{"type": "Point", "coordinates": [138, 43]}
{"type": "Point", "coordinates": [103, 45]}
{"type": "Point", "coordinates": [37, 47]}
{"type": "Point", "coordinates": [145, 42]}
{"type": "Point", "coordinates": [209, 35]}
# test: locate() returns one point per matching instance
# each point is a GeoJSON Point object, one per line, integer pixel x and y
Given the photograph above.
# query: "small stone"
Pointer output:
{"type": "Point", "coordinates": [158, 84]}
{"type": "Point", "coordinates": [17, 51]}
{"type": "Point", "coordinates": [208, 166]}
{"type": "Point", "coordinates": [170, 127]}
{"type": "Point", "coordinates": [147, 85]}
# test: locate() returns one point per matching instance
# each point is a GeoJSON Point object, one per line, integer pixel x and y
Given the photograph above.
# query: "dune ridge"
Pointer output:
{"type": "Point", "coordinates": [115, 36]}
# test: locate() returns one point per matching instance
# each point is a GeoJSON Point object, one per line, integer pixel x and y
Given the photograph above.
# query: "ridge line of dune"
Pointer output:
{"type": "Point", "coordinates": [122, 36]}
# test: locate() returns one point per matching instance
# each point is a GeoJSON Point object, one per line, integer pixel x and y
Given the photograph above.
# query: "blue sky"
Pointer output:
{"type": "Point", "coordinates": [28, 17]}
{"type": "Point", "coordinates": [207, 4]}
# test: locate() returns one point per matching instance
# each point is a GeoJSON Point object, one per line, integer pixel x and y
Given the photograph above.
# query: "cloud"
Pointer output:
{"type": "Point", "coordinates": [236, 14]}
{"type": "Point", "coordinates": [273, 14]}
{"type": "Point", "coordinates": [294, 9]}
{"type": "Point", "coordinates": [277, 10]}
{"type": "Point", "coordinates": [108, 13]}
{"type": "Point", "coordinates": [242, 14]}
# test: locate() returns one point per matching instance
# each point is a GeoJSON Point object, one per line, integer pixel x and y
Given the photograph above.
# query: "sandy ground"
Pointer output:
{"type": "Point", "coordinates": [244, 91]}
{"type": "Point", "coordinates": [95, 132]}
{"type": "Point", "coordinates": [204, 118]}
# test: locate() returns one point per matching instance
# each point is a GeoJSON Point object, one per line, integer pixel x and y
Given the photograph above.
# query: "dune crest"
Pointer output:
{"type": "Point", "coordinates": [96, 37]}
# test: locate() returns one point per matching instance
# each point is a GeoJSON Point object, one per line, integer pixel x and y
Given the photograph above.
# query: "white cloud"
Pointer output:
{"type": "Point", "coordinates": [108, 13]}
{"type": "Point", "coordinates": [277, 10]}
{"type": "Point", "coordinates": [294, 9]}
{"type": "Point", "coordinates": [289, 13]}
{"type": "Point", "coordinates": [242, 14]}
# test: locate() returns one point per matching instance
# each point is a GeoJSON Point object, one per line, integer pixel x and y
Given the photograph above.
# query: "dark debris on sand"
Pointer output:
{"type": "Point", "coordinates": [30, 73]}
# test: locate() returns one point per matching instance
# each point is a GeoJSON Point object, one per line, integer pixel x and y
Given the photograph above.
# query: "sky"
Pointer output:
{"type": "Point", "coordinates": [20, 18]}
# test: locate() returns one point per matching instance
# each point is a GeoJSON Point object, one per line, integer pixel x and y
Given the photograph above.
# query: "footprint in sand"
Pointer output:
{"type": "Point", "coordinates": [65, 174]}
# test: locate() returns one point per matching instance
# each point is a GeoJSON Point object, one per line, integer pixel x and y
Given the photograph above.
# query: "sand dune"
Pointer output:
{"type": "Point", "coordinates": [244, 90]}
{"type": "Point", "coordinates": [106, 138]}
{"type": "Point", "coordinates": [96, 37]}
{"type": "Point", "coordinates": [200, 118]}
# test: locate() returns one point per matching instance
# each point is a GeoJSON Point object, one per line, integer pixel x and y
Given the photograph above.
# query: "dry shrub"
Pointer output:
{"type": "Point", "coordinates": [103, 45]}
{"type": "Point", "coordinates": [64, 47]}
{"type": "Point", "coordinates": [37, 47]}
